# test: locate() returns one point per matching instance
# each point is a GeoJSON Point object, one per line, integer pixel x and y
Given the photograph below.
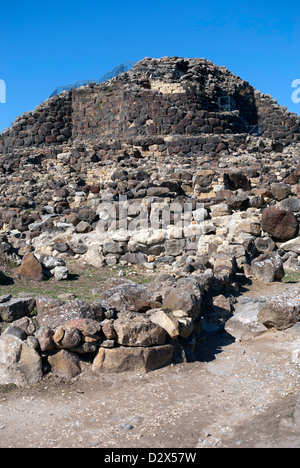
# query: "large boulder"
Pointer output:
{"type": "Point", "coordinates": [236, 179]}
{"type": "Point", "coordinates": [268, 267]}
{"type": "Point", "coordinates": [292, 245]}
{"type": "Point", "coordinates": [53, 313]}
{"type": "Point", "coordinates": [31, 269]}
{"type": "Point", "coordinates": [138, 331]}
{"type": "Point", "coordinates": [185, 295]}
{"type": "Point", "coordinates": [132, 359]}
{"type": "Point", "coordinates": [160, 287]}
{"type": "Point", "coordinates": [281, 311]}
{"type": "Point", "coordinates": [65, 364]}
{"type": "Point", "coordinates": [60, 273]}
{"type": "Point", "coordinates": [16, 308]}
{"type": "Point", "coordinates": [165, 320]}
{"type": "Point", "coordinates": [244, 324]}
{"type": "Point", "coordinates": [20, 364]}
{"type": "Point", "coordinates": [280, 191]}
{"type": "Point", "coordinates": [174, 247]}
{"type": "Point", "coordinates": [279, 223]}
{"type": "Point", "coordinates": [26, 324]}
{"type": "Point", "coordinates": [126, 295]}
{"type": "Point", "coordinates": [87, 326]}
{"type": "Point", "coordinates": [45, 338]}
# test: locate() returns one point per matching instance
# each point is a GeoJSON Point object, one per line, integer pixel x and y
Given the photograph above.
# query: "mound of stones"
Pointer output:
{"type": "Point", "coordinates": [146, 169]}
{"type": "Point", "coordinates": [190, 215]}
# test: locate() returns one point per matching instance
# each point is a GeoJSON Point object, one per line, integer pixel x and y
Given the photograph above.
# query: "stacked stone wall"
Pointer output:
{"type": "Point", "coordinates": [49, 123]}
{"type": "Point", "coordinates": [167, 97]}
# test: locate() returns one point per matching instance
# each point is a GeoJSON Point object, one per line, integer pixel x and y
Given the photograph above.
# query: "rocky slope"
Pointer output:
{"type": "Point", "coordinates": [147, 169]}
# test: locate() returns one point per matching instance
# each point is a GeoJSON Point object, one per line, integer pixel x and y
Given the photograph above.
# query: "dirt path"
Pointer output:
{"type": "Point", "coordinates": [240, 394]}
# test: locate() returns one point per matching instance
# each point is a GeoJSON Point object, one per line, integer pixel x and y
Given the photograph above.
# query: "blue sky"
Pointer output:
{"type": "Point", "coordinates": [47, 44]}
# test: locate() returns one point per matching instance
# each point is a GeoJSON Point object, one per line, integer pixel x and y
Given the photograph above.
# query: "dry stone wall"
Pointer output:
{"type": "Point", "coordinates": [122, 111]}
{"type": "Point", "coordinates": [170, 96]}
{"type": "Point", "coordinates": [49, 123]}
{"type": "Point", "coordinates": [129, 328]}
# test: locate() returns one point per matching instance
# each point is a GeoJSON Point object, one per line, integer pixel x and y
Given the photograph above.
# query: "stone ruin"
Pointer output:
{"type": "Point", "coordinates": [177, 166]}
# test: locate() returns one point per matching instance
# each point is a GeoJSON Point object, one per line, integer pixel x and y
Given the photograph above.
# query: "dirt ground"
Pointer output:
{"type": "Point", "coordinates": [235, 395]}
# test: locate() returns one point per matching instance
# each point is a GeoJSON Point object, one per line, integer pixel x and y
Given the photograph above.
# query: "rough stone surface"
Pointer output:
{"type": "Point", "coordinates": [19, 363]}
{"type": "Point", "coordinates": [126, 295]}
{"type": "Point", "coordinates": [292, 245]}
{"type": "Point", "coordinates": [61, 273]}
{"type": "Point", "coordinates": [31, 269]}
{"type": "Point", "coordinates": [16, 308]}
{"type": "Point", "coordinates": [138, 331]}
{"type": "Point", "coordinates": [268, 267]}
{"type": "Point", "coordinates": [128, 359]}
{"type": "Point", "coordinates": [57, 314]}
{"type": "Point", "coordinates": [280, 223]}
{"type": "Point", "coordinates": [282, 311]}
{"type": "Point", "coordinates": [186, 296]}
{"type": "Point", "coordinates": [245, 323]}
{"type": "Point", "coordinates": [65, 364]}
{"type": "Point", "coordinates": [166, 321]}
{"type": "Point", "coordinates": [45, 338]}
